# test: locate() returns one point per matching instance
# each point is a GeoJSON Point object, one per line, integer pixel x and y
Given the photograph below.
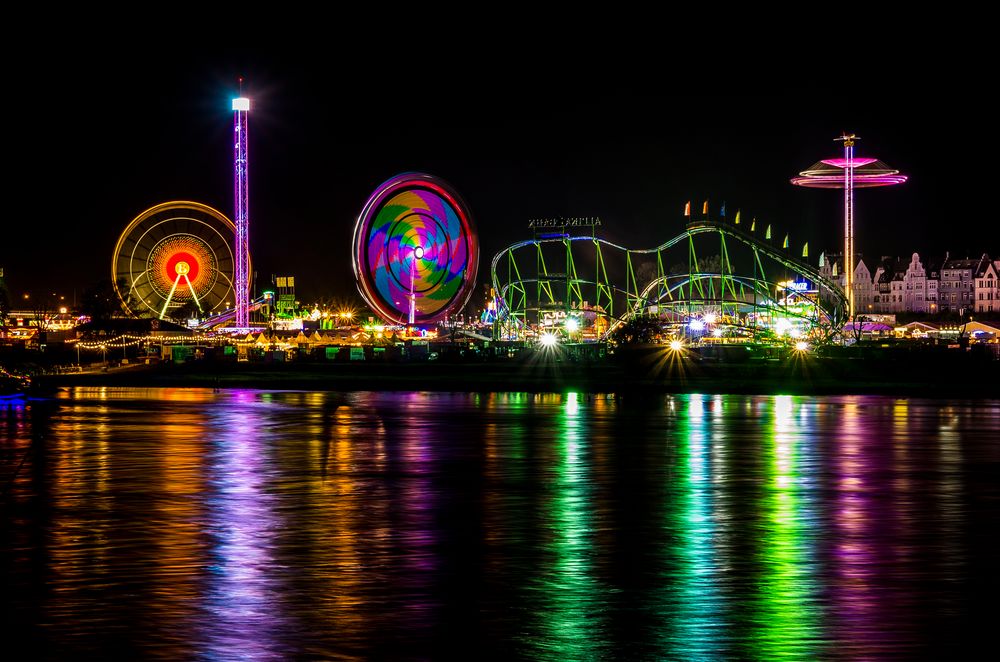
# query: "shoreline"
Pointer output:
{"type": "Point", "coordinates": [642, 372]}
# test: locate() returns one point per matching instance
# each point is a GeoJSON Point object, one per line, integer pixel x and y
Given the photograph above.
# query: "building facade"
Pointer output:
{"type": "Point", "coordinates": [831, 266]}
{"type": "Point", "coordinates": [864, 289]}
{"type": "Point", "coordinates": [888, 286]}
{"type": "Point", "coordinates": [957, 290]}
{"type": "Point", "coordinates": [987, 287]}
{"type": "Point", "coordinates": [917, 286]}
{"type": "Point", "coordinates": [915, 298]}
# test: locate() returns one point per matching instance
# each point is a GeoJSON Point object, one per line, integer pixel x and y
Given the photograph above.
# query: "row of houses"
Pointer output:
{"type": "Point", "coordinates": [960, 285]}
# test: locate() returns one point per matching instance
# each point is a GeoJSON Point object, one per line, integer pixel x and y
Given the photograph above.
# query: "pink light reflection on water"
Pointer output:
{"type": "Point", "coordinates": [856, 606]}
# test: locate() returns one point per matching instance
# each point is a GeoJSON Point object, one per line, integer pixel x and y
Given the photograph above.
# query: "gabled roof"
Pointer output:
{"type": "Point", "coordinates": [923, 326]}
{"type": "Point", "coordinates": [932, 266]}
{"type": "Point", "coordinates": [976, 325]}
{"type": "Point", "coordinates": [966, 263]}
{"type": "Point", "coordinates": [888, 269]}
{"type": "Point", "coordinates": [985, 264]}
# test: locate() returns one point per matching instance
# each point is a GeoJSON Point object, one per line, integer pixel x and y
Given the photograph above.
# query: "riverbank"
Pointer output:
{"type": "Point", "coordinates": [646, 369]}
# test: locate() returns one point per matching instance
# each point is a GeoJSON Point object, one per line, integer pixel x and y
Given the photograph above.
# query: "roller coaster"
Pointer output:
{"type": "Point", "coordinates": [712, 282]}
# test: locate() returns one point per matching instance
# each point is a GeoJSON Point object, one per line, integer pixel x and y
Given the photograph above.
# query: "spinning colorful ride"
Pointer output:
{"type": "Point", "coordinates": [172, 256]}
{"type": "Point", "coordinates": [415, 250]}
{"type": "Point", "coordinates": [849, 173]}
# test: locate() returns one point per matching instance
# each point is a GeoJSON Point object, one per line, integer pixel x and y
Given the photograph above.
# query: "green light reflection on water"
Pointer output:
{"type": "Point", "coordinates": [786, 622]}
{"type": "Point", "coordinates": [699, 621]}
{"type": "Point", "coordinates": [571, 627]}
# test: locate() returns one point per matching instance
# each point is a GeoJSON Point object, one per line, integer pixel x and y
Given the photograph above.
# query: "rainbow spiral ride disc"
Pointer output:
{"type": "Point", "coordinates": [415, 250]}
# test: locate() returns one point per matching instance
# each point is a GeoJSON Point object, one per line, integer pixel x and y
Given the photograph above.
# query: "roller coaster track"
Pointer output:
{"type": "Point", "coordinates": [679, 293]}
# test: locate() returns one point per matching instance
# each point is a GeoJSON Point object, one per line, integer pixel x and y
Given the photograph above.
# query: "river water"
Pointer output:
{"type": "Point", "coordinates": [248, 524]}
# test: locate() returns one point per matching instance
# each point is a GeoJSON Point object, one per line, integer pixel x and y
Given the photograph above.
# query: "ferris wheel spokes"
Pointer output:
{"type": "Point", "coordinates": [173, 288]}
{"type": "Point", "coordinates": [194, 295]}
{"type": "Point", "coordinates": [166, 304]}
{"type": "Point", "coordinates": [173, 254]}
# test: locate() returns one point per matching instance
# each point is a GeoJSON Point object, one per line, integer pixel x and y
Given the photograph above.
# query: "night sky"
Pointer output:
{"type": "Point", "coordinates": [109, 135]}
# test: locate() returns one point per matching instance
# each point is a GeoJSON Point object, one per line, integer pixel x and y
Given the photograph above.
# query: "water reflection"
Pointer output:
{"type": "Point", "coordinates": [185, 523]}
{"type": "Point", "coordinates": [570, 622]}
{"type": "Point", "coordinates": [787, 620]}
{"type": "Point", "coordinates": [701, 608]}
{"type": "Point", "coordinates": [242, 598]}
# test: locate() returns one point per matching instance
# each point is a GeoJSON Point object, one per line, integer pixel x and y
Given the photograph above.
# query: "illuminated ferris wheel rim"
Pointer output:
{"type": "Point", "coordinates": [438, 261]}
{"type": "Point", "coordinates": [167, 206]}
{"type": "Point", "coordinates": [191, 208]}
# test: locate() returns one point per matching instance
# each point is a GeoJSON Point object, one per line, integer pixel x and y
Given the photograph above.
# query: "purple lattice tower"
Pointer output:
{"type": "Point", "coordinates": [241, 111]}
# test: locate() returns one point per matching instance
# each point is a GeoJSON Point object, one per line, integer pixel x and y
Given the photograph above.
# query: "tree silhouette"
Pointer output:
{"type": "Point", "coordinates": [858, 327]}
{"type": "Point", "coordinates": [637, 330]}
{"type": "Point", "coordinates": [4, 302]}
{"type": "Point", "coordinates": [184, 312]}
{"type": "Point", "coordinates": [100, 302]}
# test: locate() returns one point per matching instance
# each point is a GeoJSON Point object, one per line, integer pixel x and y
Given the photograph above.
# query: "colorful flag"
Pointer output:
{"type": "Point", "coordinates": [687, 208]}
{"type": "Point", "coordinates": [822, 258]}
{"type": "Point", "coordinates": [737, 217]}
{"type": "Point", "coordinates": [753, 225]}
{"type": "Point", "coordinates": [805, 249]}
{"type": "Point", "coordinates": [768, 235]}
{"type": "Point", "coordinates": [785, 245]}
{"type": "Point", "coordinates": [722, 212]}
{"type": "Point", "coordinates": [704, 208]}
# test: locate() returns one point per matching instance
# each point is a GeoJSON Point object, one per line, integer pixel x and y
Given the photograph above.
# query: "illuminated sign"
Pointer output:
{"type": "Point", "coordinates": [553, 318]}
{"type": "Point", "coordinates": [570, 222]}
{"type": "Point", "coordinates": [795, 285]}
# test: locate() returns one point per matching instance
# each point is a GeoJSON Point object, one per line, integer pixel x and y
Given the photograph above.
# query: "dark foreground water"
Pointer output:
{"type": "Point", "coordinates": [183, 523]}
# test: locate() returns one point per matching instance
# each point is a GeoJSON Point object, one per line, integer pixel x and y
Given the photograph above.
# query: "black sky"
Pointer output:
{"type": "Point", "coordinates": [108, 133]}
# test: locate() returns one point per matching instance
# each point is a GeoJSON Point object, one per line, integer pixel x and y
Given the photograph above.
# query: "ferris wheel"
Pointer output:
{"type": "Point", "coordinates": [415, 250]}
{"type": "Point", "coordinates": [172, 256]}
